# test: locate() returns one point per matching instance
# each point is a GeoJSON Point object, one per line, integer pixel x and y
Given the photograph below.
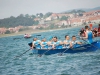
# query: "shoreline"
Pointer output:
{"type": "Point", "coordinates": [36, 31]}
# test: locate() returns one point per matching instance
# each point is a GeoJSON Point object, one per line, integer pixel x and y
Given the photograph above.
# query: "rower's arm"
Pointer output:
{"type": "Point", "coordinates": [71, 45]}
{"type": "Point", "coordinates": [65, 42]}
{"type": "Point", "coordinates": [85, 36]}
{"type": "Point", "coordinates": [92, 35]}
{"type": "Point", "coordinates": [41, 44]}
{"type": "Point", "coordinates": [79, 43]}
{"type": "Point", "coordinates": [61, 43]}
{"type": "Point", "coordinates": [32, 45]}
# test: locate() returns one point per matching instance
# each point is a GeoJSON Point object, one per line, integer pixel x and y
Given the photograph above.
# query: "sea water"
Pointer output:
{"type": "Point", "coordinates": [86, 63]}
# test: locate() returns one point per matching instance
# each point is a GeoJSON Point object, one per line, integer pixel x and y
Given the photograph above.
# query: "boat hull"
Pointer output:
{"type": "Point", "coordinates": [85, 48]}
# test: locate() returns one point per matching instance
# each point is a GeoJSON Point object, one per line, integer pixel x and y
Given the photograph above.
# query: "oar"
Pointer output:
{"type": "Point", "coordinates": [91, 44]}
{"type": "Point", "coordinates": [63, 51]}
{"type": "Point", "coordinates": [22, 54]}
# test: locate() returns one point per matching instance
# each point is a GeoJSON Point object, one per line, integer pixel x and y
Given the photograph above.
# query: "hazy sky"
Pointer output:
{"type": "Point", "coordinates": [16, 7]}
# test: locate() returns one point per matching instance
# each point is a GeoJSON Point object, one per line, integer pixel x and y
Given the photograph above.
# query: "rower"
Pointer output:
{"type": "Point", "coordinates": [89, 35]}
{"type": "Point", "coordinates": [44, 44]}
{"type": "Point", "coordinates": [74, 42]}
{"type": "Point", "coordinates": [50, 42]}
{"type": "Point", "coordinates": [56, 44]}
{"type": "Point", "coordinates": [35, 43]}
{"type": "Point", "coordinates": [66, 41]}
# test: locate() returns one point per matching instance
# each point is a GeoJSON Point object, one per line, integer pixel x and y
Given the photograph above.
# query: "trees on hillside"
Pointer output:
{"type": "Point", "coordinates": [16, 21]}
{"type": "Point", "coordinates": [28, 20]}
{"type": "Point", "coordinates": [64, 18]}
{"type": "Point", "coordinates": [76, 11]}
{"type": "Point", "coordinates": [47, 14]}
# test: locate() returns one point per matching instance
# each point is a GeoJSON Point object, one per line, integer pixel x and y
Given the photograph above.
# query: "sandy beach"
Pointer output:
{"type": "Point", "coordinates": [28, 32]}
{"type": "Point", "coordinates": [35, 31]}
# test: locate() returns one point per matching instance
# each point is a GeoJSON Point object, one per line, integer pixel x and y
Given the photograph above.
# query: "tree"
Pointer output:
{"type": "Point", "coordinates": [47, 14]}
{"type": "Point", "coordinates": [80, 11]}
{"type": "Point", "coordinates": [64, 18]}
{"type": "Point", "coordinates": [36, 22]}
{"type": "Point", "coordinates": [41, 15]}
{"type": "Point", "coordinates": [12, 17]}
{"type": "Point", "coordinates": [51, 26]}
{"type": "Point", "coordinates": [73, 11]}
{"type": "Point", "coordinates": [7, 32]}
{"type": "Point", "coordinates": [33, 16]}
{"type": "Point", "coordinates": [27, 15]}
{"type": "Point", "coordinates": [16, 21]}
{"type": "Point", "coordinates": [38, 15]}
{"type": "Point", "coordinates": [21, 15]}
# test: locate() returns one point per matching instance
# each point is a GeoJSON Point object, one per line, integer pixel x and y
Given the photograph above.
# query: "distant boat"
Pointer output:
{"type": "Point", "coordinates": [27, 36]}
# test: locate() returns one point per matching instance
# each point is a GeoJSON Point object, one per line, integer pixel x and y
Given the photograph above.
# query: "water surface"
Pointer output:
{"type": "Point", "coordinates": [87, 63]}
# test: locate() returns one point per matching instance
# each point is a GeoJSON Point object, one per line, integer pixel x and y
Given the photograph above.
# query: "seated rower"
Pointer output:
{"type": "Point", "coordinates": [66, 42]}
{"type": "Point", "coordinates": [44, 44]}
{"type": "Point", "coordinates": [56, 43]}
{"type": "Point", "coordinates": [35, 43]}
{"type": "Point", "coordinates": [50, 42]}
{"type": "Point", "coordinates": [74, 42]}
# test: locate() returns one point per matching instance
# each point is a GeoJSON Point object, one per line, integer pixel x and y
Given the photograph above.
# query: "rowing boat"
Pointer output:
{"type": "Point", "coordinates": [84, 48]}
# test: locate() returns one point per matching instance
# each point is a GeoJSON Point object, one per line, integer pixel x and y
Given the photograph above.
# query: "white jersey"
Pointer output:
{"type": "Point", "coordinates": [56, 43]}
{"type": "Point", "coordinates": [66, 45]}
{"type": "Point", "coordinates": [74, 42]}
{"type": "Point", "coordinates": [68, 42]}
{"type": "Point", "coordinates": [36, 42]}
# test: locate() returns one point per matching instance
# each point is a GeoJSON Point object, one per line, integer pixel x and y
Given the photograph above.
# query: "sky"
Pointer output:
{"type": "Point", "coordinates": [32, 7]}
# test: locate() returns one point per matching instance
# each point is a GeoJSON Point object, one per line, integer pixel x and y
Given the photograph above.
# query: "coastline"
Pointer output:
{"type": "Point", "coordinates": [35, 31]}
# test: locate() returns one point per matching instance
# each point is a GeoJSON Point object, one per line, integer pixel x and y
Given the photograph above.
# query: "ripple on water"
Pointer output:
{"type": "Point", "coordinates": [86, 63]}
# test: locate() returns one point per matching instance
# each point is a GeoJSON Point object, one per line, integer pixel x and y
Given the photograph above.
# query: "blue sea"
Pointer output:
{"type": "Point", "coordinates": [86, 63]}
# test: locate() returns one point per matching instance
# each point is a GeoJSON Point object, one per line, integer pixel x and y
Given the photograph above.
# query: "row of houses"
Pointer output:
{"type": "Point", "coordinates": [11, 29]}
{"type": "Point", "coordinates": [88, 17]}
{"type": "Point", "coordinates": [73, 19]}
{"type": "Point", "coordinates": [80, 21]}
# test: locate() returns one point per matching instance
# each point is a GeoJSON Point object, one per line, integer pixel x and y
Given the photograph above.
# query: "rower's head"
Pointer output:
{"type": "Point", "coordinates": [73, 38]}
{"type": "Point", "coordinates": [44, 39]}
{"type": "Point", "coordinates": [82, 34]}
{"type": "Point", "coordinates": [86, 27]}
{"type": "Point", "coordinates": [67, 37]}
{"type": "Point", "coordinates": [55, 39]}
{"type": "Point", "coordinates": [35, 38]}
{"type": "Point", "coordinates": [51, 38]}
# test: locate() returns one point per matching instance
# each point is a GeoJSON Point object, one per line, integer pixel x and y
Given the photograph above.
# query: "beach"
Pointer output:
{"type": "Point", "coordinates": [39, 31]}
{"type": "Point", "coordinates": [34, 31]}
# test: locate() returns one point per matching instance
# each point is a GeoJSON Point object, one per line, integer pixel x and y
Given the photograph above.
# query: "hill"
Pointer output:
{"type": "Point", "coordinates": [93, 9]}
{"type": "Point", "coordinates": [83, 9]}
